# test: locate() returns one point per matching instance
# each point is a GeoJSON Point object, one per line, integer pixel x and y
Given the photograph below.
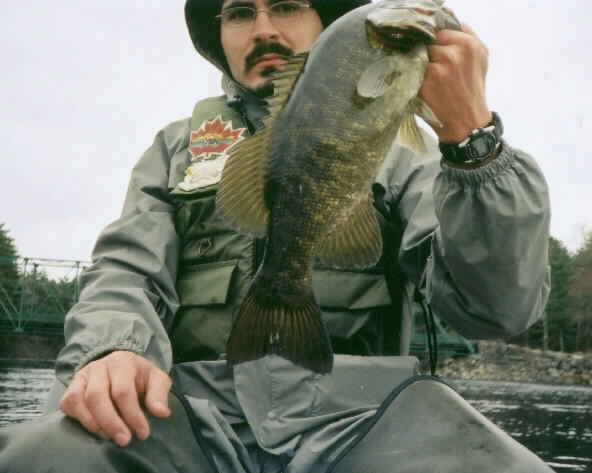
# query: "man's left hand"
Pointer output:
{"type": "Point", "coordinates": [454, 84]}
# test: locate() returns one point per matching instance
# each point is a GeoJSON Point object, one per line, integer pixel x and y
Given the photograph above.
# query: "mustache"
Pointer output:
{"type": "Point", "coordinates": [261, 49]}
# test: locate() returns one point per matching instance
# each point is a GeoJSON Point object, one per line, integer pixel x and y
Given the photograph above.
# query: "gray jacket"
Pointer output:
{"type": "Point", "coordinates": [475, 243]}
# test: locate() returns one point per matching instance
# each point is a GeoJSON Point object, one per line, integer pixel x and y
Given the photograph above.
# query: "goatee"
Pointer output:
{"type": "Point", "coordinates": [266, 89]}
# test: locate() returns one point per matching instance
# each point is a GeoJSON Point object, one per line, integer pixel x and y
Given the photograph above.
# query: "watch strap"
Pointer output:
{"type": "Point", "coordinates": [461, 152]}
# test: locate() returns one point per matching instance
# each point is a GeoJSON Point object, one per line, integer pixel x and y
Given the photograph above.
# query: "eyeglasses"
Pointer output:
{"type": "Point", "coordinates": [280, 13]}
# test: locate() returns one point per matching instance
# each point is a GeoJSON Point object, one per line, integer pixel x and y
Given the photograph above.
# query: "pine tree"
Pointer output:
{"type": "Point", "coordinates": [580, 295]}
{"type": "Point", "coordinates": [559, 328]}
{"type": "Point", "coordinates": [555, 331]}
{"type": "Point", "coordinates": [9, 273]}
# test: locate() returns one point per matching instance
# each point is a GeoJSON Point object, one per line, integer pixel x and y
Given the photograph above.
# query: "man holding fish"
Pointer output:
{"type": "Point", "coordinates": [270, 247]}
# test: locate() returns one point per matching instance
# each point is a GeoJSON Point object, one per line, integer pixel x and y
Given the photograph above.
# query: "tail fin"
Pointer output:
{"type": "Point", "coordinates": [290, 327]}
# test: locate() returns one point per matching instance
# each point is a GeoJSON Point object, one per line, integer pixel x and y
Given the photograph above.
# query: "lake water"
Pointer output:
{"type": "Point", "coordinates": [553, 421]}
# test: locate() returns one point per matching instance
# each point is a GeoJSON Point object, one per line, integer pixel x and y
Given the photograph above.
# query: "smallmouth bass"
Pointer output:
{"type": "Point", "coordinates": [304, 179]}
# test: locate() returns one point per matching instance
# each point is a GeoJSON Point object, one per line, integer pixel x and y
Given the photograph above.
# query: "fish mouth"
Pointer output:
{"type": "Point", "coordinates": [400, 29]}
{"type": "Point", "coordinates": [402, 37]}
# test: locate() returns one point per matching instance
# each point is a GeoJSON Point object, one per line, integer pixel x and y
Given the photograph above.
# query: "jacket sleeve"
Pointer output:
{"type": "Point", "coordinates": [128, 294]}
{"type": "Point", "coordinates": [475, 240]}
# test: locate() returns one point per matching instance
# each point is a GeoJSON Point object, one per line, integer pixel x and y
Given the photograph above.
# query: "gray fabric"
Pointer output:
{"type": "Point", "coordinates": [252, 416]}
{"type": "Point", "coordinates": [128, 295]}
{"type": "Point", "coordinates": [478, 249]}
{"type": "Point", "coordinates": [57, 444]}
{"type": "Point", "coordinates": [248, 419]}
{"type": "Point", "coordinates": [274, 406]}
{"type": "Point", "coordinates": [429, 427]}
{"type": "Point", "coordinates": [471, 237]}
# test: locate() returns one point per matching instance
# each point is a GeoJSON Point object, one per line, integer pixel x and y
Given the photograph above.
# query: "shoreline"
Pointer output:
{"type": "Point", "coordinates": [495, 361]}
{"type": "Point", "coordinates": [499, 361]}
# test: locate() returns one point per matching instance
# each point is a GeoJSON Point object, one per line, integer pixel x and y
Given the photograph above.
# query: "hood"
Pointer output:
{"type": "Point", "coordinates": [204, 28]}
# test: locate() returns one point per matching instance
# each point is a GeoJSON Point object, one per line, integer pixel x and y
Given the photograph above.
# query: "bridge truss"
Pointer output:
{"type": "Point", "coordinates": [38, 301]}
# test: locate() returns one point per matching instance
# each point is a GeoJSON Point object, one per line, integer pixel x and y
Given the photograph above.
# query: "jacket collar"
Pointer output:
{"type": "Point", "coordinates": [253, 108]}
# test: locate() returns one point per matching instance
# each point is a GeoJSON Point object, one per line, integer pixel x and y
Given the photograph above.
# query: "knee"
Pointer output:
{"type": "Point", "coordinates": [52, 443]}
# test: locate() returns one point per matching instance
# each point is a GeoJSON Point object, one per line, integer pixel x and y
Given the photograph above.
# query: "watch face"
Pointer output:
{"type": "Point", "coordinates": [481, 146]}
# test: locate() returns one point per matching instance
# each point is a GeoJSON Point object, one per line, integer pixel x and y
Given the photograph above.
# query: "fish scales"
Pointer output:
{"type": "Point", "coordinates": [325, 146]}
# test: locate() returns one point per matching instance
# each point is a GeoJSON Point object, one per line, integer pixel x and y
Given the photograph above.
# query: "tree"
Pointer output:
{"type": "Point", "coordinates": [9, 273]}
{"type": "Point", "coordinates": [580, 295]}
{"type": "Point", "coordinates": [555, 331]}
{"type": "Point", "coordinates": [557, 310]}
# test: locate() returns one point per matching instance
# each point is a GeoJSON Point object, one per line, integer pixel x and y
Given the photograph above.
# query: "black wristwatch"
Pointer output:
{"type": "Point", "coordinates": [477, 146]}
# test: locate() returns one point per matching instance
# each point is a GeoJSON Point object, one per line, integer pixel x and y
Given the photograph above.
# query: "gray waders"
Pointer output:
{"type": "Point", "coordinates": [269, 416]}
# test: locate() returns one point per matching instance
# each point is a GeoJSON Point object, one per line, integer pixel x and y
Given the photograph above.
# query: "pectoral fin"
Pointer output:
{"type": "Point", "coordinates": [409, 133]}
{"type": "Point", "coordinates": [410, 136]}
{"type": "Point", "coordinates": [356, 242]}
{"type": "Point", "coordinates": [240, 199]}
{"type": "Point", "coordinates": [421, 109]}
{"type": "Point", "coordinates": [378, 77]}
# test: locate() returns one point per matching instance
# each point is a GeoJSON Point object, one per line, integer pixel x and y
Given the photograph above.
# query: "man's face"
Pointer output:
{"type": "Point", "coordinates": [254, 51]}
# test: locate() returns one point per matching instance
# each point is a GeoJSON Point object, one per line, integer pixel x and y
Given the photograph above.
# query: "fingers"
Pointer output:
{"type": "Point", "coordinates": [105, 396]}
{"type": "Point", "coordinates": [99, 402]}
{"type": "Point", "coordinates": [126, 400]}
{"type": "Point", "coordinates": [158, 386]}
{"type": "Point", "coordinates": [72, 404]}
{"type": "Point", "coordinates": [454, 83]}
{"type": "Point", "coordinates": [447, 36]}
{"type": "Point", "coordinates": [467, 29]}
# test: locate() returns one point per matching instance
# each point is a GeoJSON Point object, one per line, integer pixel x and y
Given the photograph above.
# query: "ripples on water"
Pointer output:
{"type": "Point", "coordinates": [22, 392]}
{"type": "Point", "coordinates": [555, 422]}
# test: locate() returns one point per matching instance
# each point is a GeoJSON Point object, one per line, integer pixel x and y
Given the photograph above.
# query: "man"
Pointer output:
{"type": "Point", "coordinates": [168, 276]}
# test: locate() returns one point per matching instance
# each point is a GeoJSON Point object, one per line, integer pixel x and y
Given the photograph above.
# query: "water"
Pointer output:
{"type": "Point", "coordinates": [23, 390]}
{"type": "Point", "coordinates": [555, 422]}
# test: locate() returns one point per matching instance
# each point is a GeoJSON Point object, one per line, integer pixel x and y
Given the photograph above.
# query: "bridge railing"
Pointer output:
{"type": "Point", "coordinates": [37, 299]}
{"type": "Point", "coordinates": [39, 294]}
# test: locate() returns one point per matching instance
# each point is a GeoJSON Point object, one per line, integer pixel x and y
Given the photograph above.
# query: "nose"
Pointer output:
{"type": "Point", "coordinates": [263, 28]}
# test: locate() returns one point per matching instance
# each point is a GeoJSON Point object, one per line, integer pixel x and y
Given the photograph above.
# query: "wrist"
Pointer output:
{"type": "Point", "coordinates": [458, 131]}
{"type": "Point", "coordinates": [477, 147]}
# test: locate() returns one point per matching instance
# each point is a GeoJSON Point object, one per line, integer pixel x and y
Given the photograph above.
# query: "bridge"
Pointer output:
{"type": "Point", "coordinates": [38, 301]}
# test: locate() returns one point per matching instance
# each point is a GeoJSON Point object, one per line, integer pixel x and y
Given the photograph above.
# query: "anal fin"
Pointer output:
{"type": "Point", "coordinates": [356, 242]}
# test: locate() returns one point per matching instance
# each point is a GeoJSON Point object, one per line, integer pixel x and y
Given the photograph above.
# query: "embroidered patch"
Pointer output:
{"type": "Point", "coordinates": [209, 147]}
{"type": "Point", "coordinates": [214, 137]}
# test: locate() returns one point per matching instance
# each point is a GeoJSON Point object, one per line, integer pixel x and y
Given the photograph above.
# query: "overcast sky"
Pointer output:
{"type": "Point", "coordinates": [85, 86]}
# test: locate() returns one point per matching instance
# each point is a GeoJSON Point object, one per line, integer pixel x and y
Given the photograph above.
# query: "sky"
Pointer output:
{"type": "Point", "coordinates": [86, 85]}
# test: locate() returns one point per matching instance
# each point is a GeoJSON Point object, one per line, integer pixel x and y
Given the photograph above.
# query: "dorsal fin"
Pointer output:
{"type": "Point", "coordinates": [283, 81]}
{"type": "Point", "coordinates": [240, 201]}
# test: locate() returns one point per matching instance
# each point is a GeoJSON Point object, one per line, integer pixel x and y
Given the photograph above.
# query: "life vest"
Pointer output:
{"type": "Point", "coordinates": [360, 308]}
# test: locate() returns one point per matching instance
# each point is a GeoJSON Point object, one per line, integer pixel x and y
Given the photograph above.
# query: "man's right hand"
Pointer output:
{"type": "Point", "coordinates": [105, 396]}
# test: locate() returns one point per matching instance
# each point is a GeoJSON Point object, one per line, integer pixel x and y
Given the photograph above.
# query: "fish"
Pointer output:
{"type": "Point", "coordinates": [304, 179]}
